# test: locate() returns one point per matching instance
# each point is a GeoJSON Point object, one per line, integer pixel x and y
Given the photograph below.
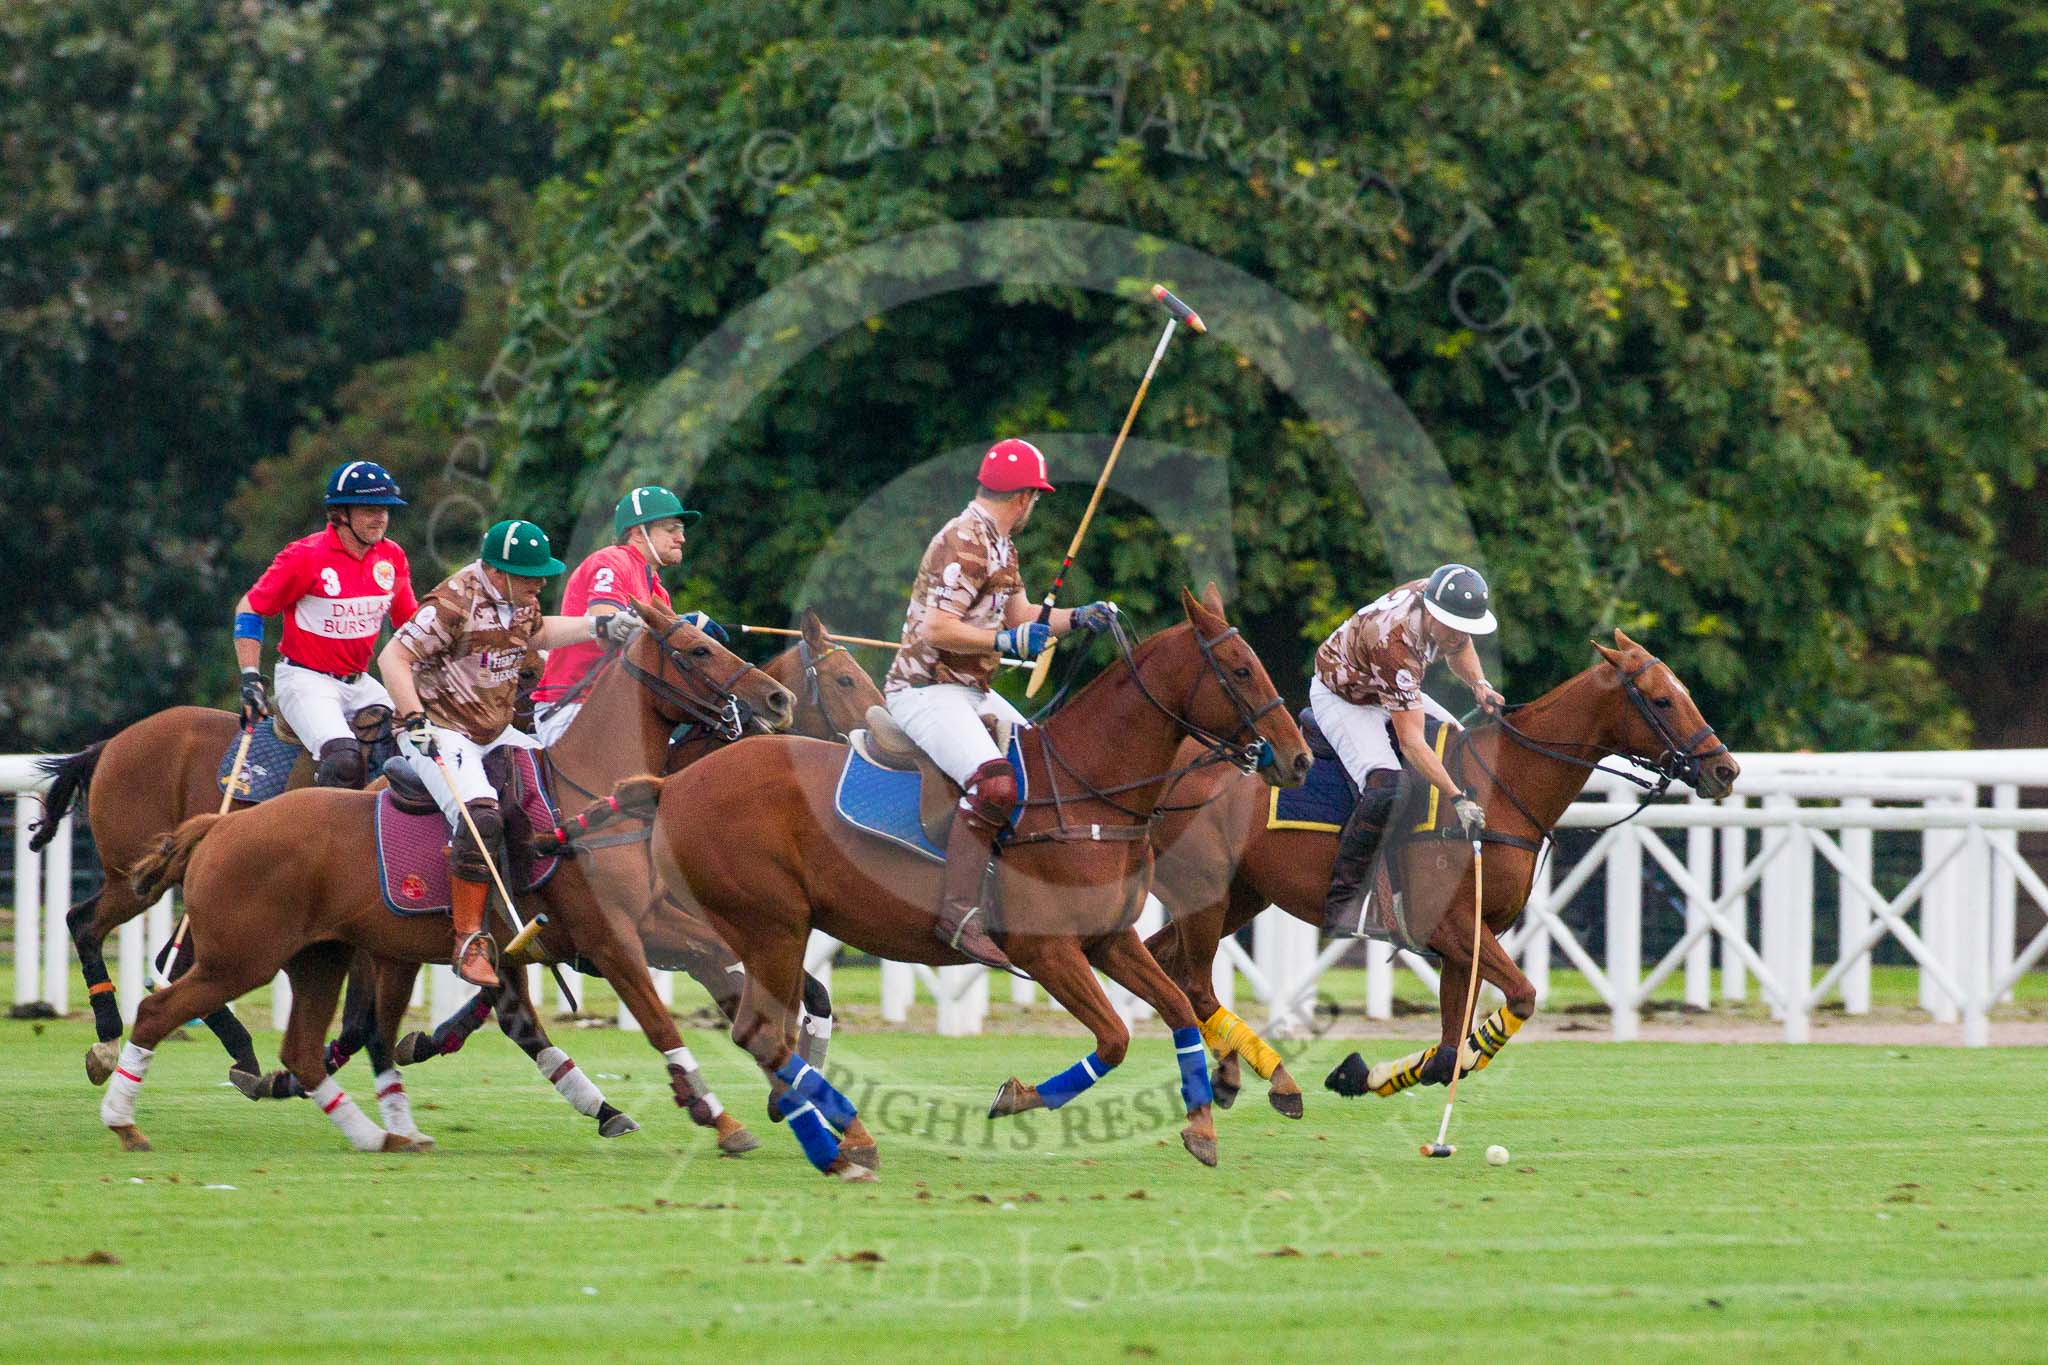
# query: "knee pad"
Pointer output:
{"type": "Point", "coordinates": [990, 795]}
{"type": "Point", "coordinates": [470, 864]}
{"type": "Point", "coordinates": [341, 765]}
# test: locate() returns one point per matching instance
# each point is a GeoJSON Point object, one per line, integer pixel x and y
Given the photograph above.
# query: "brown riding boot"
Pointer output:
{"type": "Point", "coordinates": [962, 926]}
{"type": "Point", "coordinates": [473, 947]}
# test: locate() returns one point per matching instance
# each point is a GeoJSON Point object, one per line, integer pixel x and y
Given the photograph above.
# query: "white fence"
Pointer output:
{"type": "Point", "coordinates": [1812, 814]}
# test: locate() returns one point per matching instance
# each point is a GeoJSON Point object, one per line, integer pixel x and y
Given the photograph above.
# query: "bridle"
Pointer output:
{"type": "Point", "coordinates": [814, 687]}
{"type": "Point", "coordinates": [1678, 760]}
{"type": "Point", "coordinates": [1243, 748]}
{"type": "Point", "coordinates": [727, 717]}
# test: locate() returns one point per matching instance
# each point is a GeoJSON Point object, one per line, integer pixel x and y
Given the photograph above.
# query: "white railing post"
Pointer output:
{"type": "Point", "coordinates": [1734, 857]}
{"type": "Point", "coordinates": [445, 991]}
{"type": "Point", "coordinates": [962, 995]}
{"type": "Point", "coordinates": [280, 1001]}
{"type": "Point", "coordinates": [1625, 924]}
{"type": "Point", "coordinates": [1773, 906]}
{"type": "Point", "coordinates": [2004, 887]}
{"type": "Point", "coordinates": [1379, 979]}
{"type": "Point", "coordinates": [1853, 912]}
{"type": "Point", "coordinates": [28, 905]}
{"type": "Point", "coordinates": [156, 926]}
{"type": "Point", "coordinates": [131, 974]}
{"type": "Point", "coordinates": [1797, 940]}
{"type": "Point", "coordinates": [1973, 941]}
{"type": "Point", "coordinates": [1699, 961]}
{"type": "Point", "coordinates": [899, 988]}
{"type": "Point", "coordinates": [57, 905]}
{"type": "Point", "coordinates": [819, 952]}
{"type": "Point", "coordinates": [1938, 910]}
{"type": "Point", "coordinates": [1223, 975]}
{"type": "Point", "coordinates": [1536, 941]}
{"type": "Point", "coordinates": [1285, 950]}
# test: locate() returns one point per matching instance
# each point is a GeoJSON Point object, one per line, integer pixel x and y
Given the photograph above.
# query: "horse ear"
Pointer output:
{"type": "Point", "coordinates": [1622, 642]}
{"type": "Point", "coordinates": [1213, 600]}
{"type": "Point", "coordinates": [1612, 656]}
{"type": "Point", "coordinates": [814, 630]}
{"type": "Point", "coordinates": [1192, 605]}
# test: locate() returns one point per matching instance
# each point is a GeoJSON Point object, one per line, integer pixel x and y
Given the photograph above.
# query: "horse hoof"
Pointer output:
{"type": "Point", "coordinates": [849, 1170]}
{"type": "Point", "coordinates": [1287, 1105]}
{"type": "Point", "coordinates": [276, 1085]}
{"type": "Point", "coordinates": [249, 1083]}
{"type": "Point", "coordinates": [1224, 1091]}
{"type": "Point", "coordinates": [413, 1048]}
{"type": "Point", "coordinates": [1349, 1077]}
{"type": "Point", "coordinates": [618, 1125]}
{"type": "Point", "coordinates": [131, 1137]}
{"type": "Point", "coordinates": [869, 1156]}
{"type": "Point", "coordinates": [421, 1142]}
{"type": "Point", "coordinates": [401, 1142]}
{"type": "Point", "coordinates": [736, 1140]}
{"type": "Point", "coordinates": [1201, 1146]}
{"type": "Point", "coordinates": [99, 1061]}
{"type": "Point", "coordinates": [1014, 1098]}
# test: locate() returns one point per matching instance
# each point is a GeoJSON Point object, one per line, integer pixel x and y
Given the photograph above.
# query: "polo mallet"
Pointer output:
{"type": "Point", "coordinates": [522, 934]}
{"type": "Point", "coordinates": [1178, 313]}
{"type": "Point", "coordinates": [168, 953]}
{"type": "Point", "coordinates": [856, 640]}
{"type": "Point", "coordinates": [1443, 1130]}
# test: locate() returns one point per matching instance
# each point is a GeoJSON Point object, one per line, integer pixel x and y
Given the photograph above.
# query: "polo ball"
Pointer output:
{"type": "Point", "coordinates": [1496, 1155]}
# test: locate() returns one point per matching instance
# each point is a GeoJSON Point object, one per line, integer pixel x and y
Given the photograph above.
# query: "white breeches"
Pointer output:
{"type": "Point", "coordinates": [1362, 735]}
{"type": "Point", "coordinates": [464, 759]}
{"type": "Point", "coordinates": [552, 720]}
{"type": "Point", "coordinates": [944, 720]}
{"type": "Point", "coordinates": [318, 706]}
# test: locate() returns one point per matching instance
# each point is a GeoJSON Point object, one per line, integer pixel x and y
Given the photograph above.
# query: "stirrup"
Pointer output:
{"type": "Point", "coordinates": [462, 946]}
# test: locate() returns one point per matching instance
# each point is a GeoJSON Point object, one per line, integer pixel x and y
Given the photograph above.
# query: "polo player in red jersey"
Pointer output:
{"type": "Point", "coordinates": [1367, 694]}
{"type": "Point", "coordinates": [967, 609]}
{"type": "Point", "coordinates": [647, 536]}
{"type": "Point", "coordinates": [334, 590]}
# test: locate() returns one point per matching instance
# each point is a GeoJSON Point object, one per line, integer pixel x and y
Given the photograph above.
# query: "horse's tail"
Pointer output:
{"type": "Point", "coordinates": [165, 867]}
{"type": "Point", "coordinates": [633, 799]}
{"type": "Point", "coordinates": [72, 774]}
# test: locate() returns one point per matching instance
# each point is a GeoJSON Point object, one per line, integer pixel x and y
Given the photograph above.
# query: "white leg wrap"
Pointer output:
{"type": "Point", "coordinates": [393, 1105]}
{"type": "Point", "coordinates": [568, 1078]}
{"type": "Point", "coordinates": [334, 1102]}
{"type": "Point", "coordinates": [683, 1058]}
{"type": "Point", "coordinates": [810, 1023]}
{"type": "Point", "coordinates": [117, 1110]}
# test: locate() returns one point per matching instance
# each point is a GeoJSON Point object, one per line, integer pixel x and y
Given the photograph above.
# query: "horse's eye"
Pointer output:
{"type": "Point", "coordinates": [1664, 702]}
{"type": "Point", "coordinates": [846, 682]}
{"type": "Point", "coordinates": [1241, 672]}
{"type": "Point", "coordinates": [702, 651]}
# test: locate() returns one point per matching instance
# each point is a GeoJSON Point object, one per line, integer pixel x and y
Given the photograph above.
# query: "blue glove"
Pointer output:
{"type": "Point", "coordinates": [1027, 641]}
{"type": "Point", "coordinates": [1095, 617]}
{"type": "Point", "coordinates": [708, 626]}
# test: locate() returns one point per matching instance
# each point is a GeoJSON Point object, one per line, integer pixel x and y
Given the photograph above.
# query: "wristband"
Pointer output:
{"type": "Point", "coordinates": [248, 626]}
{"type": "Point", "coordinates": [255, 673]}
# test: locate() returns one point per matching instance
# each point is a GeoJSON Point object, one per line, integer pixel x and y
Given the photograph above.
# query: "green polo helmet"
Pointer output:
{"type": "Point", "coordinates": [650, 503]}
{"type": "Point", "coordinates": [520, 548]}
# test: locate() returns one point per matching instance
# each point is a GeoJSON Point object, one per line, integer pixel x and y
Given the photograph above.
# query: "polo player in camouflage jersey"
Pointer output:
{"type": "Point", "coordinates": [453, 671]}
{"type": "Point", "coordinates": [1367, 693]}
{"type": "Point", "coordinates": [967, 609]}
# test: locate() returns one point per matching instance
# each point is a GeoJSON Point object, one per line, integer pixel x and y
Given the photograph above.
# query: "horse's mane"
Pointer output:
{"type": "Point", "coordinates": [1118, 669]}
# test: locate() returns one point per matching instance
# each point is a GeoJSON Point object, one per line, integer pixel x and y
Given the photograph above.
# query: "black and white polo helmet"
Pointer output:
{"type": "Point", "coordinates": [1457, 596]}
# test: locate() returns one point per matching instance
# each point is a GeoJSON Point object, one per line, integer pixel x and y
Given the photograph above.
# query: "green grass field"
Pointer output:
{"type": "Point", "coordinates": [1662, 1201]}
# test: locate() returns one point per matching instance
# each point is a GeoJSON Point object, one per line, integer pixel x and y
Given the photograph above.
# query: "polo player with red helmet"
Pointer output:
{"type": "Point", "coordinates": [968, 608]}
{"type": "Point", "coordinates": [1367, 694]}
{"type": "Point", "coordinates": [334, 590]}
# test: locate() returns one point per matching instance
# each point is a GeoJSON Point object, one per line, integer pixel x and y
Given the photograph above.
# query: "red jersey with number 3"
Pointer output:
{"type": "Point", "coordinates": [617, 574]}
{"type": "Point", "coordinates": [333, 604]}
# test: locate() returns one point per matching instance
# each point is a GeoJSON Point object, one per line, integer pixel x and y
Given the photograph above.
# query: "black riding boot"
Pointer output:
{"type": "Point", "coordinates": [1351, 873]}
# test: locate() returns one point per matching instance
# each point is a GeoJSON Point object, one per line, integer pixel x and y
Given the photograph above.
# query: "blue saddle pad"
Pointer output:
{"type": "Point", "coordinates": [267, 768]}
{"type": "Point", "coordinates": [883, 801]}
{"type": "Point", "coordinates": [1324, 802]}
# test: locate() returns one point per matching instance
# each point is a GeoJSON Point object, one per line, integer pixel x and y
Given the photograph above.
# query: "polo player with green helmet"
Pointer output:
{"type": "Point", "coordinates": [453, 672]}
{"type": "Point", "coordinates": [1367, 695]}
{"type": "Point", "coordinates": [647, 537]}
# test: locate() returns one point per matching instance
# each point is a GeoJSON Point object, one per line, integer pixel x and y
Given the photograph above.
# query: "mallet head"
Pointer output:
{"type": "Point", "coordinates": [1438, 1149]}
{"type": "Point", "coordinates": [1186, 315]}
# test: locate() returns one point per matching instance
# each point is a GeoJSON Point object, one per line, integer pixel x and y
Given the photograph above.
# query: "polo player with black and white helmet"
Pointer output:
{"type": "Point", "coordinates": [334, 589]}
{"type": "Point", "coordinates": [1367, 693]}
{"type": "Point", "coordinates": [967, 609]}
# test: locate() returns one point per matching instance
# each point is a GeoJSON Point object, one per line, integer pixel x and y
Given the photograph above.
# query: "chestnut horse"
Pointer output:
{"type": "Point", "coordinates": [286, 885]}
{"type": "Point", "coordinates": [1219, 865]}
{"type": "Point", "coordinates": [833, 694]}
{"type": "Point", "coordinates": [748, 836]}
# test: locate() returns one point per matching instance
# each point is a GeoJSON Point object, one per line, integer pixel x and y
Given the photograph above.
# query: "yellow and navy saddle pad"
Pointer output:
{"type": "Point", "coordinates": [884, 801]}
{"type": "Point", "coordinates": [1323, 803]}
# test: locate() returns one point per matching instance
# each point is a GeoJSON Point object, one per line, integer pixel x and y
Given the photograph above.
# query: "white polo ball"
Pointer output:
{"type": "Point", "coordinates": [1496, 1155]}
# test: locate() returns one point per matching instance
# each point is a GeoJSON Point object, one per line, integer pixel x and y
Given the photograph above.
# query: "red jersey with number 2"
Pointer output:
{"type": "Point", "coordinates": [333, 604]}
{"type": "Point", "coordinates": [617, 574]}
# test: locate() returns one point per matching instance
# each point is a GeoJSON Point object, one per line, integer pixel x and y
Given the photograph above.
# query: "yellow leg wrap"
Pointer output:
{"type": "Point", "coordinates": [1226, 1033]}
{"type": "Point", "coordinates": [1391, 1078]}
{"type": "Point", "coordinates": [1491, 1036]}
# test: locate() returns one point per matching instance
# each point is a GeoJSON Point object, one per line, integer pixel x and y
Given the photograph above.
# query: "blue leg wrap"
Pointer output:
{"type": "Point", "coordinates": [807, 1083]}
{"type": "Point", "coordinates": [1194, 1068]}
{"type": "Point", "coordinates": [821, 1148]}
{"type": "Point", "coordinates": [1073, 1081]}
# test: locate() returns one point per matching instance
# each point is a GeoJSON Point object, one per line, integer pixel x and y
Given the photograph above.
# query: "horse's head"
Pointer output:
{"type": "Point", "coordinates": [694, 678]}
{"type": "Point", "coordinates": [1659, 723]}
{"type": "Point", "coordinates": [833, 691]}
{"type": "Point", "coordinates": [1234, 699]}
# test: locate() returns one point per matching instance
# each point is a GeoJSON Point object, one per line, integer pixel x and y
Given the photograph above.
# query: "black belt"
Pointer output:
{"type": "Point", "coordinates": [338, 677]}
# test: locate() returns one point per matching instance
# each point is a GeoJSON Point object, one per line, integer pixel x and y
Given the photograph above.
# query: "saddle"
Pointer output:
{"type": "Point", "coordinates": [885, 745]}
{"type": "Point", "coordinates": [278, 761]}
{"type": "Point", "coordinates": [412, 834]}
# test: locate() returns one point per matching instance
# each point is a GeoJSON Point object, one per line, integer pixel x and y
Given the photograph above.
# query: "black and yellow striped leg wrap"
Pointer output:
{"type": "Point", "coordinates": [1489, 1038]}
{"type": "Point", "coordinates": [1391, 1078]}
{"type": "Point", "coordinates": [1225, 1033]}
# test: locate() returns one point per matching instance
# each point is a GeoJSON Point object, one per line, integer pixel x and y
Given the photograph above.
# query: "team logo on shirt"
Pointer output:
{"type": "Point", "coordinates": [384, 574]}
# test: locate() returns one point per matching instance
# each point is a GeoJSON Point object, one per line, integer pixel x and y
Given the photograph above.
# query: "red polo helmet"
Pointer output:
{"type": "Point", "coordinates": [1013, 465]}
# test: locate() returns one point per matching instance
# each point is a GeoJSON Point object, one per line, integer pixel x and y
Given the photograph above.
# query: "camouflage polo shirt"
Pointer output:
{"type": "Point", "coordinates": [470, 643]}
{"type": "Point", "coordinates": [970, 571]}
{"type": "Point", "coordinates": [1378, 657]}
